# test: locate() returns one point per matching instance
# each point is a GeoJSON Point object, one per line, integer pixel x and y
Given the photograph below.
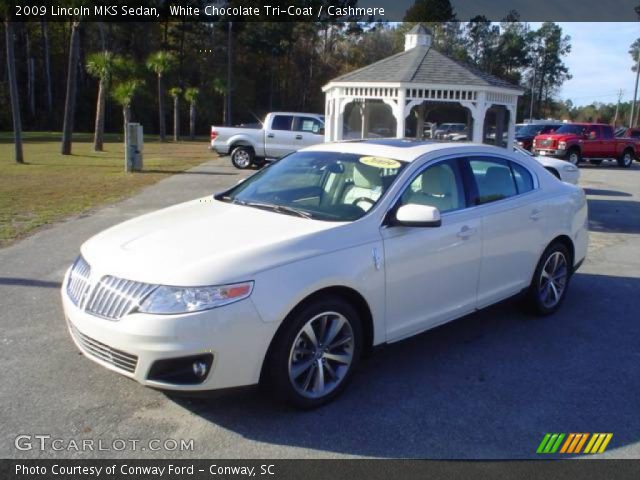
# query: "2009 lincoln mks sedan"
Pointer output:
{"type": "Point", "coordinates": [289, 276]}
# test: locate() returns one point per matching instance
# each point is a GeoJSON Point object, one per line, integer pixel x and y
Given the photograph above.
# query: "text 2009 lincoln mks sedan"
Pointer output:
{"type": "Point", "coordinates": [288, 277]}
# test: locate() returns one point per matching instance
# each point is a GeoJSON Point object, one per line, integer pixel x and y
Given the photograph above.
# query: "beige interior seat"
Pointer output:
{"type": "Point", "coordinates": [367, 183]}
{"type": "Point", "coordinates": [437, 188]}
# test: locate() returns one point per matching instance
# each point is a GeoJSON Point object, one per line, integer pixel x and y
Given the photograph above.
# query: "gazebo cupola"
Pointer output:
{"type": "Point", "coordinates": [417, 36]}
{"type": "Point", "coordinates": [418, 78]}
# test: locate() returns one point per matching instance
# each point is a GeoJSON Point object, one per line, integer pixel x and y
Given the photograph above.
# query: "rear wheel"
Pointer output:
{"type": "Point", "coordinates": [573, 156]}
{"type": "Point", "coordinates": [626, 159]}
{"type": "Point", "coordinates": [242, 157]}
{"type": "Point", "coordinates": [550, 280]}
{"type": "Point", "coordinates": [314, 355]}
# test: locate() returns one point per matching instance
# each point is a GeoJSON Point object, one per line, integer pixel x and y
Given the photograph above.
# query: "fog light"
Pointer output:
{"type": "Point", "coordinates": [183, 370]}
{"type": "Point", "coordinates": [199, 368]}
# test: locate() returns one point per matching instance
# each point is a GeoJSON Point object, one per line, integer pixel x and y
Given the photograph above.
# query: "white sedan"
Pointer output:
{"type": "Point", "coordinates": [290, 276]}
{"type": "Point", "coordinates": [561, 169]}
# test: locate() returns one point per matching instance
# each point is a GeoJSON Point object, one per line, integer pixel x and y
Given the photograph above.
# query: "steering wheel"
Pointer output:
{"type": "Point", "coordinates": [363, 199]}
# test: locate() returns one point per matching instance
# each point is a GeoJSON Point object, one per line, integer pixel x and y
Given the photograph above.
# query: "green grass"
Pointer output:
{"type": "Point", "coordinates": [51, 186]}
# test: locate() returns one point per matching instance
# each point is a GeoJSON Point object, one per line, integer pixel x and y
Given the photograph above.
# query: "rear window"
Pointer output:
{"type": "Point", "coordinates": [282, 122]}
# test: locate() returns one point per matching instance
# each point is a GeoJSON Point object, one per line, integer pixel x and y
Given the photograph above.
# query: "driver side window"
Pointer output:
{"type": "Point", "coordinates": [439, 186]}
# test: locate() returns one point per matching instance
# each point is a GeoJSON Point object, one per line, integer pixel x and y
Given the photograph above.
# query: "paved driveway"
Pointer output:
{"type": "Point", "coordinates": [486, 386]}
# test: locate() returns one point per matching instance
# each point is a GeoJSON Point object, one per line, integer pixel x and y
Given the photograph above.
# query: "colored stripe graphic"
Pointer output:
{"type": "Point", "coordinates": [551, 443]}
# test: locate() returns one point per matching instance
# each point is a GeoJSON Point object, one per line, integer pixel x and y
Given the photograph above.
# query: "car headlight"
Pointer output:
{"type": "Point", "coordinates": [570, 168]}
{"type": "Point", "coordinates": [172, 300]}
{"type": "Point", "coordinates": [562, 145]}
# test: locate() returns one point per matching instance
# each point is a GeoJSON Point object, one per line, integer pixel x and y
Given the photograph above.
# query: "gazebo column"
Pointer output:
{"type": "Point", "coordinates": [511, 129]}
{"type": "Point", "coordinates": [328, 118]}
{"type": "Point", "coordinates": [500, 114]}
{"type": "Point", "coordinates": [420, 121]}
{"type": "Point", "coordinates": [338, 118]}
{"type": "Point", "coordinates": [400, 113]}
{"type": "Point", "coordinates": [364, 116]}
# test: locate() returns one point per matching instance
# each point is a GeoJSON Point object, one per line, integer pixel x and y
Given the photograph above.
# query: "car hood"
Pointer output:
{"type": "Point", "coordinates": [204, 242]}
{"type": "Point", "coordinates": [559, 137]}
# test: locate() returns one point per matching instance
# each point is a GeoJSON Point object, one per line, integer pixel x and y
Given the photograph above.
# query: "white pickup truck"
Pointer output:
{"type": "Point", "coordinates": [281, 133]}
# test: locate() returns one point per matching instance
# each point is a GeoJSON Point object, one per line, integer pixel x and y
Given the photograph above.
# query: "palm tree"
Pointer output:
{"type": "Point", "coordinates": [175, 92]}
{"type": "Point", "coordinates": [160, 63]}
{"type": "Point", "coordinates": [100, 66]}
{"type": "Point", "coordinates": [191, 95]}
{"type": "Point", "coordinates": [13, 92]}
{"type": "Point", "coordinates": [123, 94]}
{"type": "Point", "coordinates": [70, 101]}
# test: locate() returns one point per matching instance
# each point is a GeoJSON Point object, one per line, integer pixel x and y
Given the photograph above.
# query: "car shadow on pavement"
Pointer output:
{"type": "Point", "coordinates": [616, 216]}
{"type": "Point", "coordinates": [489, 385]}
{"type": "Point", "coordinates": [606, 193]}
{"type": "Point", "coordinates": [29, 282]}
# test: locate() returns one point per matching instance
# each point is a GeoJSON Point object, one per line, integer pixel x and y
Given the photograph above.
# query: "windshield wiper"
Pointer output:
{"type": "Point", "coordinates": [275, 208]}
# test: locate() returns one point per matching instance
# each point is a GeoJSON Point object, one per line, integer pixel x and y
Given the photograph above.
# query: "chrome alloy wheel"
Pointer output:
{"type": "Point", "coordinates": [321, 355]}
{"type": "Point", "coordinates": [553, 279]}
{"type": "Point", "coordinates": [242, 158]}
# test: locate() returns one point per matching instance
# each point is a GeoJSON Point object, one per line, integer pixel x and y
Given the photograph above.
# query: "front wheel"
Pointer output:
{"type": "Point", "coordinates": [550, 280]}
{"type": "Point", "coordinates": [574, 157]}
{"type": "Point", "coordinates": [626, 159]}
{"type": "Point", "coordinates": [313, 357]}
{"type": "Point", "coordinates": [242, 157]}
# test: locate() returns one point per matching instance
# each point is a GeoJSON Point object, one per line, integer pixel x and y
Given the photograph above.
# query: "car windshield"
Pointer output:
{"type": "Point", "coordinates": [328, 186]}
{"type": "Point", "coordinates": [574, 129]}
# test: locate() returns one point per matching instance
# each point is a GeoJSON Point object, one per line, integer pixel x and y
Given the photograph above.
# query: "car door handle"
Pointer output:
{"type": "Point", "coordinates": [466, 232]}
{"type": "Point", "coordinates": [535, 215]}
{"type": "Point", "coordinates": [271, 135]}
{"type": "Point", "coordinates": [298, 137]}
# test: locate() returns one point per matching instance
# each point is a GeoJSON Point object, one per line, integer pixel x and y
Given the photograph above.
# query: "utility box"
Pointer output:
{"type": "Point", "coordinates": [133, 148]}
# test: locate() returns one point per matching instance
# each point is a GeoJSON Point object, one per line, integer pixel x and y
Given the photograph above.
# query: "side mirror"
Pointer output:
{"type": "Point", "coordinates": [320, 131]}
{"type": "Point", "coordinates": [413, 215]}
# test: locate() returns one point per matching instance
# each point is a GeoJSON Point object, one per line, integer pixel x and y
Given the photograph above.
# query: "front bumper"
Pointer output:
{"type": "Point", "coordinates": [234, 334]}
{"type": "Point", "coordinates": [550, 152]}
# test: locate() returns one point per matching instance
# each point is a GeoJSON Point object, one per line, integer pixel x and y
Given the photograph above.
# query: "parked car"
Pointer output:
{"type": "Point", "coordinates": [561, 169]}
{"type": "Point", "coordinates": [526, 134]}
{"type": "Point", "coordinates": [581, 141]}
{"type": "Point", "coordinates": [281, 134]}
{"type": "Point", "coordinates": [448, 128]}
{"type": "Point", "coordinates": [288, 277]}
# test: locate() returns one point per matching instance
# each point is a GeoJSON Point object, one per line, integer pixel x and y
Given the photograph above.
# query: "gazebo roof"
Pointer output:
{"type": "Point", "coordinates": [424, 64]}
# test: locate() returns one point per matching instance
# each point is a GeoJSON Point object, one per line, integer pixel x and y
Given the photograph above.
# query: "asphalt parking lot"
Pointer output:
{"type": "Point", "coordinates": [487, 386]}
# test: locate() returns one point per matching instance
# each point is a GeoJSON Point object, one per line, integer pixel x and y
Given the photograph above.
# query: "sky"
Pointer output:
{"type": "Point", "coordinates": [599, 61]}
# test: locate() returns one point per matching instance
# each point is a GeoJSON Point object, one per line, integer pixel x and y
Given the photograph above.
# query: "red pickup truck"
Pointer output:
{"type": "Point", "coordinates": [587, 141]}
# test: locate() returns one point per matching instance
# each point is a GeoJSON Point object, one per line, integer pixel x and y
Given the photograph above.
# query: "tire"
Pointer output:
{"type": "Point", "coordinates": [626, 159]}
{"type": "Point", "coordinates": [242, 157]}
{"type": "Point", "coordinates": [307, 374]}
{"type": "Point", "coordinates": [573, 156]}
{"type": "Point", "coordinates": [595, 162]}
{"type": "Point", "coordinates": [544, 295]}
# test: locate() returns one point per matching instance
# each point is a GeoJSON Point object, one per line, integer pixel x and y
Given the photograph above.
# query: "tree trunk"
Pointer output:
{"type": "Point", "coordinates": [70, 101]}
{"type": "Point", "coordinates": [192, 120]}
{"type": "Point", "coordinates": [31, 87]}
{"type": "Point", "coordinates": [47, 67]}
{"type": "Point", "coordinates": [161, 125]}
{"type": "Point", "coordinates": [13, 92]}
{"type": "Point", "coordinates": [98, 136]}
{"type": "Point", "coordinates": [176, 118]}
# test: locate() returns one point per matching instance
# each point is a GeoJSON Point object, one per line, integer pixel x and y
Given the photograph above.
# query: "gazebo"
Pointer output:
{"type": "Point", "coordinates": [418, 78]}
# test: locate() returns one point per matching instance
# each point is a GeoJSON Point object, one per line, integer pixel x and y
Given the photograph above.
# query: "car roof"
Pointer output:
{"type": "Point", "coordinates": [404, 149]}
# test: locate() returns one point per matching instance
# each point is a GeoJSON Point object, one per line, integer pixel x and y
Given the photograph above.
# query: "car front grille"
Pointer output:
{"type": "Point", "coordinates": [544, 143]}
{"type": "Point", "coordinates": [119, 359]}
{"type": "Point", "coordinates": [113, 297]}
{"type": "Point", "coordinates": [78, 283]}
